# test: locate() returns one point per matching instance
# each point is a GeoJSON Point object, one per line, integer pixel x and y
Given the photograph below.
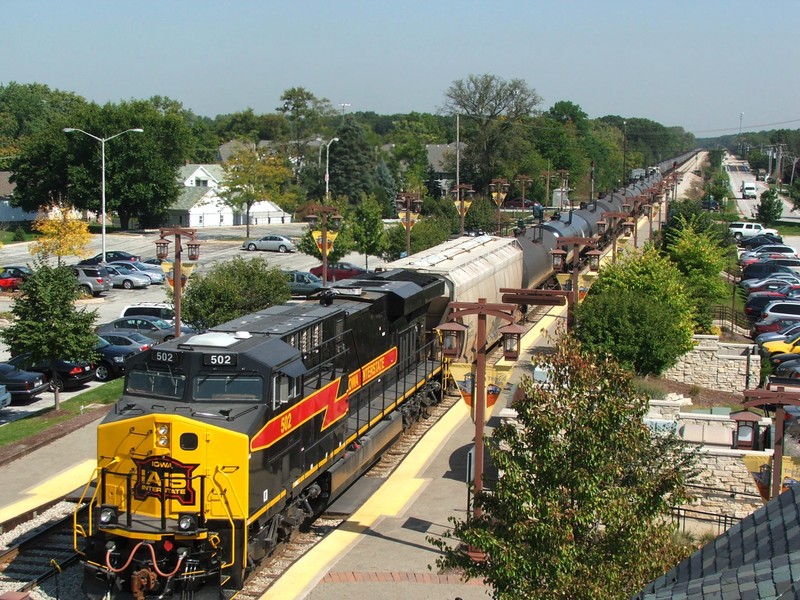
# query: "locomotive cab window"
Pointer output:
{"type": "Point", "coordinates": [228, 388]}
{"type": "Point", "coordinates": [155, 383]}
{"type": "Point", "coordinates": [284, 389]}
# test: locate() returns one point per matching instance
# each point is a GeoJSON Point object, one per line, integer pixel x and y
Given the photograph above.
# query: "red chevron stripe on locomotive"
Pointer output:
{"type": "Point", "coordinates": [282, 425]}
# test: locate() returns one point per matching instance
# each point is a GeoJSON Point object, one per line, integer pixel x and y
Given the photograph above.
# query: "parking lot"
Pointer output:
{"type": "Point", "coordinates": [217, 244]}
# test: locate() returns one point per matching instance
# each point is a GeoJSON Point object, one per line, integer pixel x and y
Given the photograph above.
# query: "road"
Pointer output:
{"type": "Point", "coordinates": [217, 244]}
{"type": "Point", "coordinates": [747, 207]}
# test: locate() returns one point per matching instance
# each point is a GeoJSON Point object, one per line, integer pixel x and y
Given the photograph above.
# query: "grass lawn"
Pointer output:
{"type": "Point", "coordinates": [21, 429]}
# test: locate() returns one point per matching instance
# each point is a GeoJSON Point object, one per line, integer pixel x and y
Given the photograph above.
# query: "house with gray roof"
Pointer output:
{"type": "Point", "coordinates": [8, 213]}
{"type": "Point", "coordinates": [200, 204]}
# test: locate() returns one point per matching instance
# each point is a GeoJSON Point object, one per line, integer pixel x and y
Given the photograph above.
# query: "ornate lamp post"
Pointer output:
{"type": "Point", "coordinates": [103, 175]}
{"type": "Point", "coordinates": [559, 261]}
{"type": "Point", "coordinates": [499, 189]}
{"type": "Point", "coordinates": [461, 190]}
{"type": "Point", "coordinates": [524, 179]}
{"type": "Point", "coordinates": [603, 225]}
{"type": "Point", "coordinates": [322, 212]}
{"type": "Point", "coordinates": [408, 202]}
{"type": "Point", "coordinates": [162, 251]}
{"type": "Point", "coordinates": [452, 341]}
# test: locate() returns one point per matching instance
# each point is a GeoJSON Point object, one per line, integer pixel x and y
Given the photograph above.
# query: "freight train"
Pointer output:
{"type": "Point", "coordinates": [224, 442]}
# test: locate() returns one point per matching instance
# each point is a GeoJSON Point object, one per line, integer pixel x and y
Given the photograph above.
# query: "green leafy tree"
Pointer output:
{"type": "Point", "coordinates": [369, 236]}
{"type": "Point", "coordinates": [770, 209]}
{"type": "Point", "coordinates": [700, 258]}
{"type": "Point", "coordinates": [231, 289]}
{"type": "Point", "coordinates": [482, 214]}
{"type": "Point", "coordinates": [494, 108]}
{"type": "Point", "coordinates": [254, 175]}
{"type": "Point", "coordinates": [351, 168]}
{"type": "Point", "coordinates": [305, 113]}
{"type": "Point", "coordinates": [47, 323]}
{"type": "Point", "coordinates": [426, 233]}
{"type": "Point", "coordinates": [581, 508]}
{"type": "Point", "coordinates": [639, 311]}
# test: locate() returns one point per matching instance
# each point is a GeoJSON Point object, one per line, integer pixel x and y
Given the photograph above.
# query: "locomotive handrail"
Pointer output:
{"type": "Point", "coordinates": [225, 506]}
{"type": "Point", "coordinates": [75, 526]}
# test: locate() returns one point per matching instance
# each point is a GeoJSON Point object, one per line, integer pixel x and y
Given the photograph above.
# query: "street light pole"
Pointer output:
{"type": "Point", "coordinates": [162, 246]}
{"type": "Point", "coordinates": [327, 165]}
{"type": "Point", "coordinates": [103, 176]}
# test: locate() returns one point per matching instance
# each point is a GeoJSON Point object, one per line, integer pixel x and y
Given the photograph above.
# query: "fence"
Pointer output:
{"type": "Point", "coordinates": [684, 516]}
{"type": "Point", "coordinates": [735, 318]}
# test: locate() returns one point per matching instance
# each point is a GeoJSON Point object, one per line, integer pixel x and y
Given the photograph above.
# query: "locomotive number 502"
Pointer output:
{"type": "Point", "coordinates": [219, 360]}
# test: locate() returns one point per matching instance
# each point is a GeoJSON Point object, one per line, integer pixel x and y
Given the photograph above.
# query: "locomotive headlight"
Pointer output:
{"type": "Point", "coordinates": [108, 515]}
{"type": "Point", "coordinates": [162, 440]}
{"type": "Point", "coordinates": [187, 522]}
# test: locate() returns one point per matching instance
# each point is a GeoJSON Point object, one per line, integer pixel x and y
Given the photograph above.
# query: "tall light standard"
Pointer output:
{"type": "Point", "coordinates": [162, 250]}
{"type": "Point", "coordinates": [327, 164]}
{"type": "Point", "coordinates": [461, 207]}
{"type": "Point", "coordinates": [523, 179]}
{"type": "Point", "coordinates": [624, 154]}
{"type": "Point", "coordinates": [103, 175]}
{"type": "Point", "coordinates": [318, 211]}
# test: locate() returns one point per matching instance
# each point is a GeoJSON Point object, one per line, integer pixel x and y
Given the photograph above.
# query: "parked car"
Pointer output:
{"type": "Point", "coordinates": [125, 277]}
{"type": "Point", "coordinates": [93, 280]}
{"type": "Point", "coordinates": [518, 204]}
{"type": "Point", "coordinates": [111, 359]}
{"type": "Point", "coordinates": [161, 310]}
{"type": "Point", "coordinates": [156, 329]}
{"type": "Point", "coordinates": [339, 270]}
{"type": "Point", "coordinates": [779, 359]}
{"type": "Point", "coordinates": [783, 308]}
{"type": "Point", "coordinates": [740, 230]}
{"type": "Point", "coordinates": [756, 302]}
{"type": "Point", "coordinates": [770, 282]}
{"type": "Point", "coordinates": [790, 344]}
{"type": "Point", "coordinates": [760, 240]}
{"type": "Point", "coordinates": [23, 272]}
{"type": "Point", "coordinates": [303, 283]}
{"type": "Point", "coordinates": [156, 261]}
{"type": "Point", "coordinates": [273, 243]}
{"type": "Point", "coordinates": [154, 272]}
{"type": "Point", "coordinates": [69, 373]}
{"type": "Point", "coordinates": [474, 232]}
{"type": "Point", "coordinates": [761, 270]}
{"type": "Point", "coordinates": [111, 256]}
{"type": "Point", "coordinates": [8, 281]}
{"type": "Point", "coordinates": [135, 341]}
{"type": "Point", "coordinates": [5, 396]}
{"type": "Point", "coordinates": [789, 368]}
{"type": "Point", "coordinates": [771, 250]}
{"type": "Point", "coordinates": [788, 328]}
{"type": "Point", "coordinates": [23, 385]}
{"type": "Point", "coordinates": [774, 328]}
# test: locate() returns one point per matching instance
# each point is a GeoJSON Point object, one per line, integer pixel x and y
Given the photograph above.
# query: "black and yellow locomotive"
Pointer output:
{"type": "Point", "coordinates": [225, 441]}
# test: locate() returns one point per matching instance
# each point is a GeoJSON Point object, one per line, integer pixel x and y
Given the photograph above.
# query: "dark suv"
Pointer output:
{"type": "Point", "coordinates": [93, 280]}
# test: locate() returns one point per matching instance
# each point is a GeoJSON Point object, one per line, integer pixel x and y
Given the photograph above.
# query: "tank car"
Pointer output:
{"type": "Point", "coordinates": [225, 441]}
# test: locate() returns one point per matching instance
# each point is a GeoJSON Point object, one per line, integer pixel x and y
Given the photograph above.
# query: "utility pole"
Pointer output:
{"type": "Point", "coordinates": [546, 176]}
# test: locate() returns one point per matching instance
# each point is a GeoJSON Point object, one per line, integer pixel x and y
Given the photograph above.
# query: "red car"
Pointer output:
{"type": "Point", "coordinates": [9, 281]}
{"type": "Point", "coordinates": [771, 324]}
{"type": "Point", "coordinates": [339, 270]}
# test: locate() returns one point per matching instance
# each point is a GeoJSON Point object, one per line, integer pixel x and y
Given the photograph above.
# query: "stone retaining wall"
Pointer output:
{"type": "Point", "coordinates": [718, 365]}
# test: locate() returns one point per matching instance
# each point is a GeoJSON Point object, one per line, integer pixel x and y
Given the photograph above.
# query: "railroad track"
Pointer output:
{"type": "Point", "coordinates": [39, 555]}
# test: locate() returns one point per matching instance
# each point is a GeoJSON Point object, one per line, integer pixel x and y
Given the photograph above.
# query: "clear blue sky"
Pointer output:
{"type": "Point", "coordinates": [696, 64]}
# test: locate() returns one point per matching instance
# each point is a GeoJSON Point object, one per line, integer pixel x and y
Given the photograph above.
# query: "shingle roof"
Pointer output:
{"type": "Point", "coordinates": [189, 197]}
{"type": "Point", "coordinates": [213, 169]}
{"type": "Point", "coordinates": [758, 558]}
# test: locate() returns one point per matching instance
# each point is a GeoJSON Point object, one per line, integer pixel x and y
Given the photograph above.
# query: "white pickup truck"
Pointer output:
{"type": "Point", "coordinates": [749, 189]}
{"type": "Point", "coordinates": [743, 230]}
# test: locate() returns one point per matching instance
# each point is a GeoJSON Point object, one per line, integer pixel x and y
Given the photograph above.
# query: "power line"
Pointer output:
{"type": "Point", "coordinates": [734, 129]}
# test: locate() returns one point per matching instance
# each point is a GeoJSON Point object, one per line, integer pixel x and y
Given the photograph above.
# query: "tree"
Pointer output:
{"type": "Point", "coordinates": [47, 324]}
{"type": "Point", "coordinates": [255, 175]}
{"type": "Point", "coordinates": [304, 113]}
{"type": "Point", "coordinates": [582, 504]}
{"type": "Point", "coordinates": [59, 169]}
{"type": "Point", "coordinates": [700, 259]}
{"type": "Point", "coordinates": [231, 289]}
{"type": "Point", "coordinates": [639, 311]}
{"type": "Point", "coordinates": [770, 209]}
{"type": "Point", "coordinates": [61, 236]}
{"type": "Point", "coordinates": [368, 232]}
{"type": "Point", "coordinates": [426, 233]}
{"type": "Point", "coordinates": [351, 170]}
{"type": "Point", "coordinates": [494, 107]}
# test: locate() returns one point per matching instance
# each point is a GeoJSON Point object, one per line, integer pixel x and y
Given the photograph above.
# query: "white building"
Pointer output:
{"type": "Point", "coordinates": [200, 205]}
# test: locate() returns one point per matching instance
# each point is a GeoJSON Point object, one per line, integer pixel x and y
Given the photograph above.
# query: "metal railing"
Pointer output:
{"type": "Point", "coordinates": [681, 516]}
{"type": "Point", "coordinates": [736, 319]}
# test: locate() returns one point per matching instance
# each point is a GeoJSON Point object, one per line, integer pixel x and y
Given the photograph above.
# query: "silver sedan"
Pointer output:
{"type": "Point", "coordinates": [127, 278]}
{"type": "Point", "coordinates": [274, 243]}
{"type": "Point", "coordinates": [155, 274]}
